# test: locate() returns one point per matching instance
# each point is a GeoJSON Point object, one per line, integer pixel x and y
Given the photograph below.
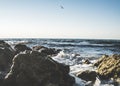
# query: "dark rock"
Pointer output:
{"type": "Point", "coordinates": [87, 75]}
{"type": "Point", "coordinates": [110, 67]}
{"type": "Point", "coordinates": [2, 76]}
{"type": "Point", "coordinates": [36, 69]}
{"type": "Point", "coordinates": [20, 48]}
{"type": "Point", "coordinates": [6, 55]}
{"type": "Point", "coordinates": [47, 51]}
{"type": "Point", "coordinates": [36, 48]}
{"type": "Point", "coordinates": [87, 62]}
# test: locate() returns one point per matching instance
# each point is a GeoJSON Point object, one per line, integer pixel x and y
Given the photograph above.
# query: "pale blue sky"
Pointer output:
{"type": "Point", "coordinates": [45, 19]}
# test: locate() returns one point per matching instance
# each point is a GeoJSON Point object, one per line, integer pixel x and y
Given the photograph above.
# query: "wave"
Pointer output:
{"type": "Point", "coordinates": [14, 42]}
{"type": "Point", "coordinates": [81, 44]}
{"type": "Point", "coordinates": [67, 42]}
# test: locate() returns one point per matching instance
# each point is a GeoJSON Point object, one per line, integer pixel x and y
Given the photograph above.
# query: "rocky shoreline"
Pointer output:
{"type": "Point", "coordinates": [108, 69]}
{"type": "Point", "coordinates": [23, 66]}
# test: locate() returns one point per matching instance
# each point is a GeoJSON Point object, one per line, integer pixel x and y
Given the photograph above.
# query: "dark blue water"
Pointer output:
{"type": "Point", "coordinates": [84, 47]}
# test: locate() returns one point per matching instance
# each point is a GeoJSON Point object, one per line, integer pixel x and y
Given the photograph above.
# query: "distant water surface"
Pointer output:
{"type": "Point", "coordinates": [84, 47]}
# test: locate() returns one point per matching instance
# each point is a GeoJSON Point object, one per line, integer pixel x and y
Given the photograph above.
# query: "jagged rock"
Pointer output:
{"type": "Point", "coordinates": [36, 69]}
{"type": "Point", "coordinates": [103, 58]}
{"type": "Point", "coordinates": [87, 75]}
{"type": "Point", "coordinates": [20, 48]}
{"type": "Point", "coordinates": [47, 51]}
{"type": "Point", "coordinates": [110, 67]}
{"type": "Point", "coordinates": [6, 55]}
{"type": "Point", "coordinates": [87, 62]}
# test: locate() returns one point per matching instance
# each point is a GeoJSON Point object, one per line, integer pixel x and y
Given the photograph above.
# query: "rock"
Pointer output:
{"type": "Point", "coordinates": [87, 75]}
{"type": "Point", "coordinates": [87, 62]}
{"type": "Point", "coordinates": [36, 48]}
{"type": "Point", "coordinates": [103, 58]}
{"type": "Point", "coordinates": [48, 51]}
{"type": "Point", "coordinates": [2, 76]}
{"type": "Point", "coordinates": [36, 69]}
{"type": "Point", "coordinates": [110, 67]}
{"type": "Point", "coordinates": [6, 56]}
{"type": "Point", "coordinates": [20, 48]}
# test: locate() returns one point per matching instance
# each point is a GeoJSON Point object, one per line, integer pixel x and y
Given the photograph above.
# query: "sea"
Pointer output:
{"type": "Point", "coordinates": [74, 52]}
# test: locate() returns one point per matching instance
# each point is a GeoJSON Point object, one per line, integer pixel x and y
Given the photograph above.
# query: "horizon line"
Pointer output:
{"type": "Point", "coordinates": [58, 38]}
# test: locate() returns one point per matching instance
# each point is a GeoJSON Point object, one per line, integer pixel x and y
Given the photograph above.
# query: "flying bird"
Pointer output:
{"type": "Point", "coordinates": [61, 7]}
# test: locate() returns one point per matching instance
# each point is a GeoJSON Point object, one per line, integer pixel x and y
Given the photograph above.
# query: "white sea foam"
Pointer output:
{"type": "Point", "coordinates": [97, 82]}
{"type": "Point", "coordinates": [17, 42]}
{"type": "Point", "coordinates": [84, 43]}
{"type": "Point", "coordinates": [81, 67]}
{"type": "Point", "coordinates": [75, 62]}
{"type": "Point", "coordinates": [65, 58]}
{"type": "Point", "coordinates": [78, 81]}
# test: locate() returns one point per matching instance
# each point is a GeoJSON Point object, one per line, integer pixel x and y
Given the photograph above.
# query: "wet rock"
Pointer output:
{"type": "Point", "coordinates": [110, 67]}
{"type": "Point", "coordinates": [36, 69]}
{"type": "Point", "coordinates": [47, 51]}
{"type": "Point", "coordinates": [6, 55]}
{"type": "Point", "coordinates": [20, 48]}
{"type": "Point", "coordinates": [36, 48]}
{"type": "Point", "coordinates": [87, 62]}
{"type": "Point", "coordinates": [103, 58]}
{"type": "Point", "coordinates": [2, 76]}
{"type": "Point", "coordinates": [87, 75]}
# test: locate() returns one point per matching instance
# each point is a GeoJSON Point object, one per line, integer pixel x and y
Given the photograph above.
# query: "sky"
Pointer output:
{"type": "Point", "coordinates": [94, 19]}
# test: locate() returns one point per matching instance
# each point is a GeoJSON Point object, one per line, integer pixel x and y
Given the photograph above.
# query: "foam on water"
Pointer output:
{"type": "Point", "coordinates": [74, 61]}
{"type": "Point", "coordinates": [75, 67]}
{"type": "Point", "coordinates": [81, 67]}
{"type": "Point", "coordinates": [17, 42]}
{"type": "Point", "coordinates": [78, 81]}
{"type": "Point", "coordinates": [70, 59]}
{"type": "Point", "coordinates": [97, 82]}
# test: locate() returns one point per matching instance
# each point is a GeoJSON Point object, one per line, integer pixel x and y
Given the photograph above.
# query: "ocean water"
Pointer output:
{"type": "Point", "coordinates": [75, 52]}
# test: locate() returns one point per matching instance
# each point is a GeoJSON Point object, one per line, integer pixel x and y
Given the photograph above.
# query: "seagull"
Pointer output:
{"type": "Point", "coordinates": [61, 7]}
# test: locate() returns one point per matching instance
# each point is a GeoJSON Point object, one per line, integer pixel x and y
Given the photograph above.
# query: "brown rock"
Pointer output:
{"type": "Point", "coordinates": [100, 60]}
{"type": "Point", "coordinates": [110, 67]}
